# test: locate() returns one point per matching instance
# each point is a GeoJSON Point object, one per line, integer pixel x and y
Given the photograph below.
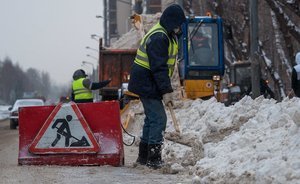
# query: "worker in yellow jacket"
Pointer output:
{"type": "Point", "coordinates": [150, 79]}
{"type": "Point", "coordinates": [82, 87]}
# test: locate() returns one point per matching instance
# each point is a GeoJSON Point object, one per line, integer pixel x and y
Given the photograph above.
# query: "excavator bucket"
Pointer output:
{"type": "Point", "coordinates": [137, 22]}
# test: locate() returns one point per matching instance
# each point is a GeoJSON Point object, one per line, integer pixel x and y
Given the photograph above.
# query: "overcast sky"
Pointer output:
{"type": "Point", "coordinates": [50, 35]}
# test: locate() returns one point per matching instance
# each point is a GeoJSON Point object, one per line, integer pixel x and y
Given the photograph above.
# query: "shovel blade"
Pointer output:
{"type": "Point", "coordinates": [80, 143]}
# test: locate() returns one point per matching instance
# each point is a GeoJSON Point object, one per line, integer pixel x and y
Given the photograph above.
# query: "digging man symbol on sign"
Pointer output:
{"type": "Point", "coordinates": [61, 130]}
{"type": "Point", "coordinates": [64, 130]}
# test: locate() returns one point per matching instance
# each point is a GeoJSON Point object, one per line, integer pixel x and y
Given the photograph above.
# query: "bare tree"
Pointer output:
{"type": "Point", "coordinates": [15, 83]}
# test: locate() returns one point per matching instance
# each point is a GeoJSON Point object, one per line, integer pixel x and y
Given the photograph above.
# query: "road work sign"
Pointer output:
{"type": "Point", "coordinates": [71, 134]}
{"type": "Point", "coordinates": [65, 131]}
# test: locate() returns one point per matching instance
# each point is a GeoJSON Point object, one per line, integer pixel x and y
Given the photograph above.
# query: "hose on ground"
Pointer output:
{"type": "Point", "coordinates": [129, 135]}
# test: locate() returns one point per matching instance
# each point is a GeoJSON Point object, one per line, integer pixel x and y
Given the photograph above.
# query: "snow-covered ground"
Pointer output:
{"type": "Point", "coordinates": [254, 141]}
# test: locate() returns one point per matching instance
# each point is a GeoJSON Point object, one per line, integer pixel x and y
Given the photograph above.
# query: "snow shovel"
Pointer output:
{"type": "Point", "coordinates": [175, 122]}
{"type": "Point", "coordinates": [176, 136]}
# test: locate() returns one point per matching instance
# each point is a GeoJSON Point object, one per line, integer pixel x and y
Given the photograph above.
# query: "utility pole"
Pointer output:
{"type": "Point", "coordinates": [255, 65]}
{"type": "Point", "coordinates": [105, 17]}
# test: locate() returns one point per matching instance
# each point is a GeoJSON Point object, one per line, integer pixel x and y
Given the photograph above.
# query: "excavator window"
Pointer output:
{"type": "Point", "coordinates": [203, 46]}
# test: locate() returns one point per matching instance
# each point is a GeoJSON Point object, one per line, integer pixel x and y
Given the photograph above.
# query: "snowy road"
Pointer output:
{"type": "Point", "coordinates": [10, 172]}
{"type": "Point", "coordinates": [254, 141]}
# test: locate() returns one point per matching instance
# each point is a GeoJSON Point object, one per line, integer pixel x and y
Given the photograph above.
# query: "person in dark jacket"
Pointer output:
{"type": "Point", "coordinates": [150, 79]}
{"type": "Point", "coordinates": [82, 87]}
{"type": "Point", "coordinates": [296, 76]}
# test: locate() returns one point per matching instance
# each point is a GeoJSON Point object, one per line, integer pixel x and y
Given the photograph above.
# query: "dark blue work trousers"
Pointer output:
{"type": "Point", "coordinates": [155, 121]}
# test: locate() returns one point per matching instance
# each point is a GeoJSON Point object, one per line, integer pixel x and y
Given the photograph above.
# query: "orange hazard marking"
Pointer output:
{"type": "Point", "coordinates": [65, 131]}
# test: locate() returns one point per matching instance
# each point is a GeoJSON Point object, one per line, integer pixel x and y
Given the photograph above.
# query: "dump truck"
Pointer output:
{"type": "Point", "coordinates": [115, 64]}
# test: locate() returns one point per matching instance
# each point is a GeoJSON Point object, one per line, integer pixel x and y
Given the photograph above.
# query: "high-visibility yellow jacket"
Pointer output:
{"type": "Point", "coordinates": [80, 92]}
{"type": "Point", "coordinates": [142, 57]}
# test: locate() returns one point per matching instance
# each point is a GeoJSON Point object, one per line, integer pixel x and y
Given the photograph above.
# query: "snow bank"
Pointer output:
{"type": "Point", "coordinates": [253, 141]}
{"type": "Point", "coordinates": [131, 39]}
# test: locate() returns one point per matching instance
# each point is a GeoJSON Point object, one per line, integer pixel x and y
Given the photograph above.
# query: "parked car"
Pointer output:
{"type": "Point", "coordinates": [14, 111]}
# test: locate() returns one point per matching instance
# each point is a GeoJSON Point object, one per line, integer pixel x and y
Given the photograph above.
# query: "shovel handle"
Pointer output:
{"type": "Point", "coordinates": [176, 126]}
{"type": "Point", "coordinates": [290, 93]}
{"type": "Point", "coordinates": [65, 132]}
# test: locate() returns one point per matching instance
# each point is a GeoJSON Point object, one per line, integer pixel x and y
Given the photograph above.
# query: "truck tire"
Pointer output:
{"type": "Point", "coordinates": [13, 125]}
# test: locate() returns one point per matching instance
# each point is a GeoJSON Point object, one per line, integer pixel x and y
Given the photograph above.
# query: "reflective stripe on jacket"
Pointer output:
{"type": "Point", "coordinates": [142, 57]}
{"type": "Point", "coordinates": [80, 92]}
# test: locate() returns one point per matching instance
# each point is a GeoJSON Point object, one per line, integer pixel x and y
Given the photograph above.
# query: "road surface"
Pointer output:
{"type": "Point", "coordinates": [11, 172]}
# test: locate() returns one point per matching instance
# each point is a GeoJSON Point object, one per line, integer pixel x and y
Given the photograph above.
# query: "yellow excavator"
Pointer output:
{"type": "Point", "coordinates": [201, 65]}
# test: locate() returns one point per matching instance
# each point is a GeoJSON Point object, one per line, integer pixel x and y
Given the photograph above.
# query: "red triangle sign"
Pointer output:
{"type": "Point", "coordinates": [65, 131]}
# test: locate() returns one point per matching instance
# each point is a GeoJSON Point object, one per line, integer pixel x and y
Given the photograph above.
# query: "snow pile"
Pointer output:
{"type": "Point", "coordinates": [254, 141]}
{"type": "Point", "coordinates": [131, 40]}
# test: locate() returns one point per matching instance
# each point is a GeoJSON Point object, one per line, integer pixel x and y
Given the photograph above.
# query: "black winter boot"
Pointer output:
{"type": "Point", "coordinates": [154, 156]}
{"type": "Point", "coordinates": [143, 153]}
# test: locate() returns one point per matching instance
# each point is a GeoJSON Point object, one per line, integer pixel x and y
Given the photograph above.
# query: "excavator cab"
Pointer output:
{"type": "Point", "coordinates": [201, 65]}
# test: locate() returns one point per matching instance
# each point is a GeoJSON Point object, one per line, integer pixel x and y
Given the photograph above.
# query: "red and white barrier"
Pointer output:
{"type": "Point", "coordinates": [71, 134]}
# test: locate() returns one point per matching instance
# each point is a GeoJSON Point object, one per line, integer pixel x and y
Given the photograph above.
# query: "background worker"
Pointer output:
{"type": "Point", "coordinates": [296, 76]}
{"type": "Point", "coordinates": [150, 79]}
{"type": "Point", "coordinates": [201, 52]}
{"type": "Point", "coordinates": [82, 87]}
